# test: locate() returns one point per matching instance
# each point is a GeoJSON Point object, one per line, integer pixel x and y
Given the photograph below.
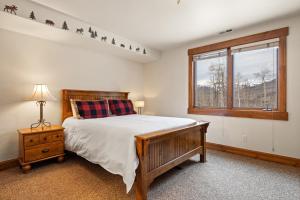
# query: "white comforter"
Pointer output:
{"type": "Point", "coordinates": [110, 141]}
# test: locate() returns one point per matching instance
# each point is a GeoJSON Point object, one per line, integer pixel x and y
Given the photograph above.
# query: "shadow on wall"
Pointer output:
{"type": "Point", "coordinates": [13, 116]}
{"type": "Point", "coordinates": [8, 145]}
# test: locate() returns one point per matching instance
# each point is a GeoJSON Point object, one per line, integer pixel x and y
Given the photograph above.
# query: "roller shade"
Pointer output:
{"type": "Point", "coordinates": [209, 55]}
{"type": "Point", "coordinates": [255, 46]}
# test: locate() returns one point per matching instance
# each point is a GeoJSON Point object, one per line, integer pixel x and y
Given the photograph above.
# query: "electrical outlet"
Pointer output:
{"type": "Point", "coordinates": [244, 139]}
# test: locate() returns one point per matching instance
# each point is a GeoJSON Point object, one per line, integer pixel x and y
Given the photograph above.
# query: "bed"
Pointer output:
{"type": "Point", "coordinates": [137, 147]}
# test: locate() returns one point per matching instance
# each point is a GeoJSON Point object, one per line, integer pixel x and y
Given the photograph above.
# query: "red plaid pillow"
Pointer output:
{"type": "Point", "coordinates": [121, 107]}
{"type": "Point", "coordinates": [92, 109]}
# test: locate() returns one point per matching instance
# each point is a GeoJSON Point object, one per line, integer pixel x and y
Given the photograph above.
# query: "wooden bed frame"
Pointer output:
{"type": "Point", "coordinates": [158, 151]}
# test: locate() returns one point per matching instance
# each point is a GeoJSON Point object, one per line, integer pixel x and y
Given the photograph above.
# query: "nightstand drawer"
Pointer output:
{"type": "Point", "coordinates": [31, 140]}
{"type": "Point", "coordinates": [58, 136]}
{"type": "Point", "coordinates": [45, 138]}
{"type": "Point", "coordinates": [47, 150]}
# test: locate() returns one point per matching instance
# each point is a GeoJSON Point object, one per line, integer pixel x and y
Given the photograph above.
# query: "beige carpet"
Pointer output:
{"type": "Point", "coordinates": [223, 177]}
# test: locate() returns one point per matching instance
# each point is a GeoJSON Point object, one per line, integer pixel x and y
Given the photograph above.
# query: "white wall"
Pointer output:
{"type": "Point", "coordinates": [26, 60]}
{"type": "Point", "coordinates": [166, 93]}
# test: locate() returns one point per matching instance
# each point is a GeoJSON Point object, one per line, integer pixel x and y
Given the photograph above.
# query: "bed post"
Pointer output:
{"type": "Point", "coordinates": [203, 131]}
{"type": "Point", "coordinates": [142, 182]}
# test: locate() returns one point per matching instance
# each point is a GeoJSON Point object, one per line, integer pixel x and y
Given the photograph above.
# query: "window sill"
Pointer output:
{"type": "Point", "coordinates": [256, 114]}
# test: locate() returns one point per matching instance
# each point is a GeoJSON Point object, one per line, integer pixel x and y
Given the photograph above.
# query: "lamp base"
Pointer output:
{"type": "Point", "coordinates": [139, 110]}
{"type": "Point", "coordinates": [42, 124]}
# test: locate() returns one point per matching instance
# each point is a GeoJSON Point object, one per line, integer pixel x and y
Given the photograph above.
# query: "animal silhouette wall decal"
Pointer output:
{"type": "Point", "coordinates": [79, 30]}
{"type": "Point", "coordinates": [49, 22]}
{"type": "Point", "coordinates": [11, 9]}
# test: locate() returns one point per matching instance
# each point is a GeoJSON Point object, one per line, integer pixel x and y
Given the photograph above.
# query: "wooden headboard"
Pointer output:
{"type": "Point", "coordinates": [86, 95]}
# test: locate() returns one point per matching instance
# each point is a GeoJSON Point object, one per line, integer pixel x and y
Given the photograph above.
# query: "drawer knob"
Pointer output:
{"type": "Point", "coordinates": [45, 138]}
{"type": "Point", "coordinates": [31, 140]}
{"type": "Point", "coordinates": [57, 136]}
{"type": "Point", "coordinates": [45, 150]}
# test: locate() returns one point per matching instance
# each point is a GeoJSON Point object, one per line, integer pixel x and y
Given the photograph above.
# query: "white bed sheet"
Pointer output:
{"type": "Point", "coordinates": [110, 141]}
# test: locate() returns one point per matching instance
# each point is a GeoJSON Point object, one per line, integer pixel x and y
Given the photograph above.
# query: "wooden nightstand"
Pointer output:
{"type": "Point", "coordinates": [40, 144]}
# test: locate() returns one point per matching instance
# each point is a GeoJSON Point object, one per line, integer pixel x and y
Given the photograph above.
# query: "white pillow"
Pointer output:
{"type": "Point", "coordinates": [74, 109]}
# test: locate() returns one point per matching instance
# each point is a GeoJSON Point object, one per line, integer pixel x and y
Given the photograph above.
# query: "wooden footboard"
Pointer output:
{"type": "Point", "coordinates": [159, 152]}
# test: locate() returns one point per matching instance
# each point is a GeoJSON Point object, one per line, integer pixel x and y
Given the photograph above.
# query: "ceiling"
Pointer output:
{"type": "Point", "coordinates": [162, 24]}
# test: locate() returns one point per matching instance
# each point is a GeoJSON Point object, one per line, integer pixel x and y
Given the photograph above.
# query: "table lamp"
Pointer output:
{"type": "Point", "coordinates": [41, 94]}
{"type": "Point", "coordinates": [140, 105]}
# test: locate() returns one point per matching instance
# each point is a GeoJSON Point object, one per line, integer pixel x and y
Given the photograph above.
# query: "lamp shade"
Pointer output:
{"type": "Point", "coordinates": [140, 104]}
{"type": "Point", "coordinates": [41, 93]}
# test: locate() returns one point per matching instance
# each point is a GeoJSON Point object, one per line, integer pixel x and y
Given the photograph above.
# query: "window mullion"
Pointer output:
{"type": "Point", "coordinates": [191, 82]}
{"type": "Point", "coordinates": [282, 75]}
{"type": "Point", "coordinates": [229, 79]}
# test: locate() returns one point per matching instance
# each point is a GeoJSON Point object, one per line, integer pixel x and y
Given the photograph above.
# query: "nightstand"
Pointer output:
{"type": "Point", "coordinates": [39, 144]}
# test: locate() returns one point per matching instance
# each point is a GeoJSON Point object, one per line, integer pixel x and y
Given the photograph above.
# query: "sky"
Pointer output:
{"type": "Point", "coordinates": [247, 63]}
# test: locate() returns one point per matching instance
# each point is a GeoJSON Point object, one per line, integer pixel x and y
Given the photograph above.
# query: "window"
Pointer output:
{"type": "Point", "coordinates": [255, 76]}
{"type": "Point", "coordinates": [243, 77]}
{"type": "Point", "coordinates": [210, 81]}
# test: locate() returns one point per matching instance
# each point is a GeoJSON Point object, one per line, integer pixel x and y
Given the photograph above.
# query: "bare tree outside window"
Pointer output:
{"type": "Point", "coordinates": [211, 80]}
{"type": "Point", "coordinates": [255, 78]}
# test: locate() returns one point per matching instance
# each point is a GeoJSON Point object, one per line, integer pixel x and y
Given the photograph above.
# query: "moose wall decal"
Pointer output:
{"type": "Point", "coordinates": [11, 9]}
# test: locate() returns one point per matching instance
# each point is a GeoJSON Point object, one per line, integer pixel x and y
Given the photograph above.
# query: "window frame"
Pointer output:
{"type": "Point", "coordinates": [279, 114]}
